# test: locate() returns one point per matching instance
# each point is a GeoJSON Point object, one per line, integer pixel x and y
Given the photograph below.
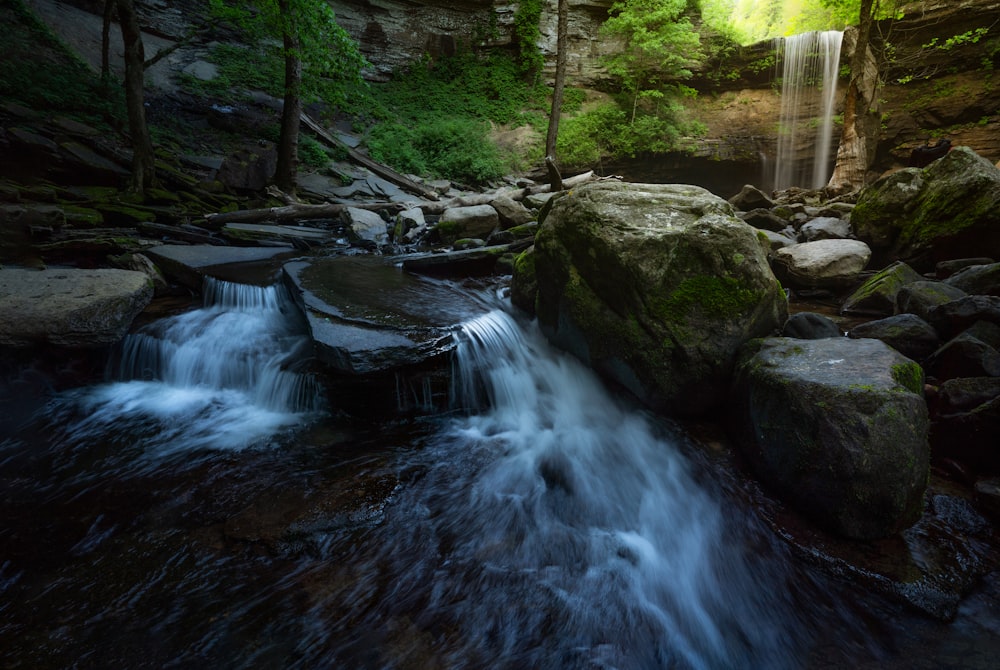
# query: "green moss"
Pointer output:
{"type": "Point", "coordinates": [713, 296]}
{"type": "Point", "coordinates": [82, 217]}
{"type": "Point", "coordinates": [910, 376]}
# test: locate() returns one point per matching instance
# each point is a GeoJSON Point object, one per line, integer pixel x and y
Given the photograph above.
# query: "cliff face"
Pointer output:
{"type": "Point", "coordinates": [392, 33]}
{"type": "Point", "coordinates": [959, 99]}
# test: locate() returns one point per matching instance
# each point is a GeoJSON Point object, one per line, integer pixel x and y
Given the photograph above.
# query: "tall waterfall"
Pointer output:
{"type": "Point", "coordinates": [808, 98]}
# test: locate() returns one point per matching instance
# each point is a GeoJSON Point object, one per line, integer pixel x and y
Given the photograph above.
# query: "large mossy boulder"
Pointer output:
{"type": "Point", "coordinates": [838, 428]}
{"type": "Point", "coordinates": [950, 209]}
{"type": "Point", "coordinates": [656, 286]}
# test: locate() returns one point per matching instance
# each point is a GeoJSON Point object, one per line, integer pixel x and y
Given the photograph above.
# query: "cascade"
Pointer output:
{"type": "Point", "coordinates": [810, 68]}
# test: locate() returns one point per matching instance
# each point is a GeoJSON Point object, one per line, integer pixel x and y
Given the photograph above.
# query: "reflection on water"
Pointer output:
{"type": "Point", "coordinates": [204, 512]}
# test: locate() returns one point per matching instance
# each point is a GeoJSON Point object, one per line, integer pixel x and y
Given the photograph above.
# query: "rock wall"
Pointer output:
{"type": "Point", "coordinates": [392, 33]}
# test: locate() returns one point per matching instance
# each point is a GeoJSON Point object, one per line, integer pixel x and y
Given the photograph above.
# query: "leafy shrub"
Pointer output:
{"type": "Point", "coordinates": [453, 148]}
{"type": "Point", "coordinates": [312, 153]}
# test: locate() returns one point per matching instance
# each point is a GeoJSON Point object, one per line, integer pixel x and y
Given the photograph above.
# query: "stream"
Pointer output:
{"type": "Point", "coordinates": [206, 507]}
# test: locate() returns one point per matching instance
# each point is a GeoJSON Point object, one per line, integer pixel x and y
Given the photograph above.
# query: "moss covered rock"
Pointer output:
{"type": "Point", "coordinates": [950, 209]}
{"type": "Point", "coordinates": [878, 294]}
{"type": "Point", "coordinates": [656, 286]}
{"type": "Point", "coordinates": [838, 428]}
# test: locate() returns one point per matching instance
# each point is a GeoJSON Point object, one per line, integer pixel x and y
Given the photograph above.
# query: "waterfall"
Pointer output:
{"type": "Point", "coordinates": [811, 63]}
{"type": "Point", "coordinates": [555, 489]}
{"type": "Point", "coordinates": [226, 376]}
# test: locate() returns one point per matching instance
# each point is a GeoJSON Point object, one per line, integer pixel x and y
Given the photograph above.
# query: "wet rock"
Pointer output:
{"type": "Point", "coordinates": [810, 326]}
{"type": "Point", "coordinates": [950, 209]}
{"type": "Point", "coordinates": [473, 221]}
{"type": "Point", "coordinates": [365, 225]}
{"type": "Point", "coordinates": [70, 307]}
{"type": "Point", "coordinates": [750, 197]}
{"type": "Point", "coordinates": [367, 315]}
{"type": "Point", "coordinates": [475, 261]}
{"type": "Point", "coordinates": [409, 223]}
{"type": "Point", "coordinates": [920, 297]}
{"type": "Point", "coordinates": [765, 219]}
{"type": "Point", "coordinates": [966, 423]}
{"type": "Point", "coordinates": [977, 279]}
{"type": "Point", "coordinates": [190, 264]}
{"type": "Point", "coordinates": [988, 496]}
{"type": "Point", "coordinates": [953, 317]}
{"type": "Point", "coordinates": [878, 294]}
{"type": "Point", "coordinates": [945, 269]}
{"type": "Point", "coordinates": [633, 277]}
{"type": "Point", "coordinates": [838, 428]}
{"type": "Point", "coordinates": [973, 353]}
{"type": "Point", "coordinates": [906, 333]}
{"type": "Point", "coordinates": [822, 264]}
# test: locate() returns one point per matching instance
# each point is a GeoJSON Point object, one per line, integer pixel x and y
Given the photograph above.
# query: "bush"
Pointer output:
{"type": "Point", "coordinates": [456, 149]}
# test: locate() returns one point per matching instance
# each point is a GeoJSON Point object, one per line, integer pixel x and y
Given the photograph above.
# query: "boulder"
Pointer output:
{"type": "Point", "coordinates": [750, 197]}
{"type": "Point", "coordinates": [906, 333]}
{"type": "Point", "coordinates": [764, 219]}
{"type": "Point", "coordinates": [822, 264]}
{"type": "Point", "coordinates": [953, 317]}
{"type": "Point", "coordinates": [950, 209]}
{"type": "Point", "coordinates": [656, 286]}
{"type": "Point", "coordinates": [973, 353]}
{"type": "Point", "coordinates": [921, 297]}
{"type": "Point", "coordinates": [966, 422]}
{"type": "Point", "coordinates": [364, 225]}
{"type": "Point", "coordinates": [945, 269]}
{"type": "Point", "coordinates": [825, 228]}
{"type": "Point", "coordinates": [775, 240]}
{"type": "Point", "coordinates": [511, 212]}
{"type": "Point", "coordinates": [977, 279]}
{"type": "Point", "coordinates": [838, 428]}
{"type": "Point", "coordinates": [810, 326]}
{"type": "Point", "coordinates": [249, 169]}
{"type": "Point", "coordinates": [476, 221]}
{"type": "Point", "coordinates": [878, 294]}
{"type": "Point", "coordinates": [70, 307]}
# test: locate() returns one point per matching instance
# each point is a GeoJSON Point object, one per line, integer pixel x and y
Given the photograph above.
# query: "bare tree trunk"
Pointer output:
{"type": "Point", "coordinates": [109, 10]}
{"type": "Point", "coordinates": [555, 179]}
{"type": "Point", "coordinates": [856, 151]}
{"type": "Point", "coordinates": [143, 160]}
{"type": "Point", "coordinates": [288, 141]}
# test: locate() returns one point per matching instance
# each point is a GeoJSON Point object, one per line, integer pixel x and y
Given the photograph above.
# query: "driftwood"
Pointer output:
{"type": "Point", "coordinates": [293, 212]}
{"type": "Point", "coordinates": [383, 171]}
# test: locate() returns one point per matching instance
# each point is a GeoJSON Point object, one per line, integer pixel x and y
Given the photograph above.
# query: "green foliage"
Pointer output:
{"type": "Point", "coordinates": [457, 149]}
{"type": "Point", "coordinates": [968, 37]}
{"type": "Point", "coordinates": [312, 153]}
{"type": "Point", "coordinates": [573, 99]}
{"type": "Point", "coordinates": [332, 63]}
{"type": "Point", "coordinates": [526, 35]}
{"type": "Point", "coordinates": [42, 73]}
{"type": "Point", "coordinates": [433, 118]}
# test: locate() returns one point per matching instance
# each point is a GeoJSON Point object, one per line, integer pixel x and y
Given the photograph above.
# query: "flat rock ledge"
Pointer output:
{"type": "Point", "coordinates": [70, 307]}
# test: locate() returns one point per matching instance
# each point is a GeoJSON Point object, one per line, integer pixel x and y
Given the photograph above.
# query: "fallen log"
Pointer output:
{"type": "Point", "coordinates": [383, 171]}
{"type": "Point", "coordinates": [294, 212]}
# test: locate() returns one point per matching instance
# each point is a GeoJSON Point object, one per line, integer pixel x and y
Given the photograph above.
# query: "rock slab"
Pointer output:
{"type": "Point", "coordinates": [70, 307]}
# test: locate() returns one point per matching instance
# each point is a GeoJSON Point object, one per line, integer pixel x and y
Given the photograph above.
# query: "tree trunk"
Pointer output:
{"type": "Point", "coordinates": [143, 161]}
{"type": "Point", "coordinates": [856, 151]}
{"type": "Point", "coordinates": [109, 10]}
{"type": "Point", "coordinates": [555, 179]}
{"type": "Point", "coordinates": [288, 141]}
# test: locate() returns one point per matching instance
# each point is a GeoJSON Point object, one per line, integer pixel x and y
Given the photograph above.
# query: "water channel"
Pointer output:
{"type": "Point", "coordinates": [205, 506]}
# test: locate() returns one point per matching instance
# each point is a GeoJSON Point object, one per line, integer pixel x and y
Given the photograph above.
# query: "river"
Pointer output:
{"type": "Point", "coordinates": [205, 506]}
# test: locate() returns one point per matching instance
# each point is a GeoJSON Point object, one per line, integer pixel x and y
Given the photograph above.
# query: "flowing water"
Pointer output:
{"type": "Point", "coordinates": [204, 509]}
{"type": "Point", "coordinates": [810, 68]}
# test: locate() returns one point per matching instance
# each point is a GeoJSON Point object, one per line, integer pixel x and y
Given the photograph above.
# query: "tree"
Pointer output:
{"type": "Point", "coordinates": [143, 160]}
{"type": "Point", "coordinates": [555, 179]}
{"type": "Point", "coordinates": [321, 61]}
{"type": "Point", "coordinates": [660, 46]}
{"type": "Point", "coordinates": [862, 116]}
